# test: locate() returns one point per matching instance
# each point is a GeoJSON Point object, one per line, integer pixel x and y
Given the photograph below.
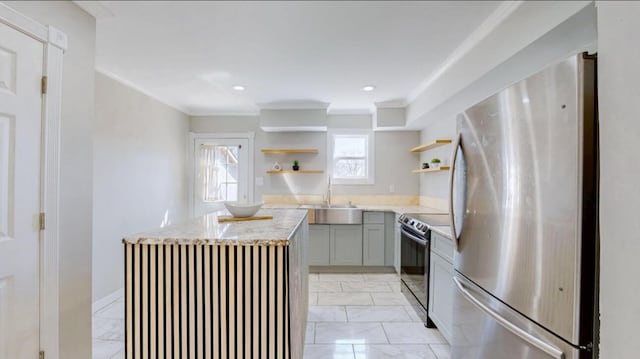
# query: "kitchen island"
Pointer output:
{"type": "Point", "coordinates": [205, 289]}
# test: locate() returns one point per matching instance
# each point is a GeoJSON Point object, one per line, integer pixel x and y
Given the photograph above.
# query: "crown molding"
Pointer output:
{"type": "Point", "coordinates": [97, 9]}
{"type": "Point", "coordinates": [501, 13]}
{"type": "Point", "coordinates": [135, 87]}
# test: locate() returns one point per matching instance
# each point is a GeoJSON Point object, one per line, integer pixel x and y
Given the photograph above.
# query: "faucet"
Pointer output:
{"type": "Point", "coordinates": [328, 194]}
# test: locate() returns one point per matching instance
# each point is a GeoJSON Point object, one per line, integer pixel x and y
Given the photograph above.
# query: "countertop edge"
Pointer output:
{"type": "Point", "coordinates": [152, 238]}
{"type": "Point", "coordinates": [398, 209]}
{"type": "Point", "coordinates": [447, 235]}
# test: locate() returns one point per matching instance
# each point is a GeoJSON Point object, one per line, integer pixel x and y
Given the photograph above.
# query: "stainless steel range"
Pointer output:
{"type": "Point", "coordinates": [414, 259]}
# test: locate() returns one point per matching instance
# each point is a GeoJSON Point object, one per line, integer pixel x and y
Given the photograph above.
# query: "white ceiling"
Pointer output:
{"type": "Point", "coordinates": [190, 54]}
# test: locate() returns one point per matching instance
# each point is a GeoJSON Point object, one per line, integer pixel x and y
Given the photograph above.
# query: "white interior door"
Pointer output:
{"type": "Point", "coordinates": [21, 63]}
{"type": "Point", "coordinates": [221, 173]}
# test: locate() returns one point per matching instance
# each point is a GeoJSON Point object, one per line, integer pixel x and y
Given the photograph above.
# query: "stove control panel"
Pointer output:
{"type": "Point", "coordinates": [407, 220]}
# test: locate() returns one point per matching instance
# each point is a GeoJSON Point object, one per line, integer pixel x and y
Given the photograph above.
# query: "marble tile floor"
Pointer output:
{"type": "Point", "coordinates": [364, 316]}
{"type": "Point", "coordinates": [108, 331]}
{"type": "Point", "coordinates": [354, 316]}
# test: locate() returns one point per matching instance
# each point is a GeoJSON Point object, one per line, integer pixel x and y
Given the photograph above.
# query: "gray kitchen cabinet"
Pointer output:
{"type": "Point", "coordinates": [373, 218]}
{"type": "Point", "coordinates": [441, 285]}
{"type": "Point", "coordinates": [389, 241]}
{"type": "Point", "coordinates": [319, 251]}
{"type": "Point", "coordinates": [373, 244]}
{"type": "Point", "coordinates": [396, 243]}
{"type": "Point", "coordinates": [346, 245]}
{"type": "Point", "coordinates": [442, 246]}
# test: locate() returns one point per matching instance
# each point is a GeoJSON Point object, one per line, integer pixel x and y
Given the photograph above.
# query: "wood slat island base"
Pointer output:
{"type": "Point", "coordinates": [197, 296]}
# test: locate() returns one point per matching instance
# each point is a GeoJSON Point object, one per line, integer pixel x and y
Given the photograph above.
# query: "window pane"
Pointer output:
{"type": "Point", "coordinates": [350, 146]}
{"type": "Point", "coordinates": [232, 191]}
{"type": "Point", "coordinates": [233, 154]}
{"type": "Point", "coordinates": [232, 173]}
{"type": "Point", "coordinates": [350, 168]}
{"type": "Point", "coordinates": [219, 172]}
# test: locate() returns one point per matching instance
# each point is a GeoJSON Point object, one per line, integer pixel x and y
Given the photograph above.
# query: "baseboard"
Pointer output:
{"type": "Point", "coordinates": [106, 300]}
{"type": "Point", "coordinates": [351, 269]}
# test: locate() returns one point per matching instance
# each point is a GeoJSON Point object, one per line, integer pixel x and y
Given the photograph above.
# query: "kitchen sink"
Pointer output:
{"type": "Point", "coordinates": [335, 214]}
{"type": "Point", "coordinates": [337, 206]}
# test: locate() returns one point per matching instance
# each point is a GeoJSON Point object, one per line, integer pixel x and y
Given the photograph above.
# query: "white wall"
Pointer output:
{"type": "Point", "coordinates": [539, 29]}
{"type": "Point", "coordinates": [140, 174]}
{"type": "Point", "coordinates": [436, 185]}
{"type": "Point", "coordinates": [576, 34]}
{"type": "Point", "coordinates": [75, 169]}
{"type": "Point", "coordinates": [393, 161]}
{"type": "Point", "coordinates": [618, 79]}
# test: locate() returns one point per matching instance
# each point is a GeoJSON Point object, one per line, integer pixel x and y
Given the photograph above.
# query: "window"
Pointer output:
{"type": "Point", "coordinates": [219, 168]}
{"type": "Point", "coordinates": [351, 157]}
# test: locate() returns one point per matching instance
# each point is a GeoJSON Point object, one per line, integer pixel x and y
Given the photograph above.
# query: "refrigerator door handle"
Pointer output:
{"type": "Point", "coordinates": [452, 174]}
{"type": "Point", "coordinates": [536, 342]}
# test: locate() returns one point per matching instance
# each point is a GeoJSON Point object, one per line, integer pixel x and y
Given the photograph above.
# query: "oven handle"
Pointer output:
{"type": "Point", "coordinates": [413, 237]}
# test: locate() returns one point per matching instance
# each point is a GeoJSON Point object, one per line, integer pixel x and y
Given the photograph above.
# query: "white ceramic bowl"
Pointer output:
{"type": "Point", "coordinates": [242, 209]}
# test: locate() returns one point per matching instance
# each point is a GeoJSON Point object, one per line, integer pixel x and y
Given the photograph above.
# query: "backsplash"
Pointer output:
{"type": "Point", "coordinates": [435, 202]}
{"type": "Point", "coordinates": [408, 200]}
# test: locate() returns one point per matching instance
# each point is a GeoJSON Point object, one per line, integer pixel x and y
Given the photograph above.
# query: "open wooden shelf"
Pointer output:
{"type": "Point", "coordinates": [289, 150]}
{"type": "Point", "coordinates": [430, 145]}
{"type": "Point", "coordinates": [301, 172]}
{"type": "Point", "coordinates": [426, 170]}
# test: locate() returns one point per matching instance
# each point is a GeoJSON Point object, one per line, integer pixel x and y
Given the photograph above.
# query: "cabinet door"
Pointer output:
{"type": "Point", "coordinates": [373, 245]}
{"type": "Point", "coordinates": [373, 218]}
{"type": "Point", "coordinates": [319, 247]}
{"type": "Point", "coordinates": [396, 240]}
{"type": "Point", "coordinates": [443, 246]}
{"type": "Point", "coordinates": [346, 245]}
{"type": "Point", "coordinates": [389, 239]}
{"type": "Point", "coordinates": [441, 291]}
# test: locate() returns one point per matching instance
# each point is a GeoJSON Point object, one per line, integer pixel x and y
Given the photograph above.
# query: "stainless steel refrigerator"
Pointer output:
{"type": "Point", "coordinates": [524, 213]}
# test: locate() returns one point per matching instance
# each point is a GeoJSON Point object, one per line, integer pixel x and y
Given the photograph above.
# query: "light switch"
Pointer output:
{"type": "Point", "coordinates": [392, 188]}
{"type": "Point", "coordinates": [259, 181]}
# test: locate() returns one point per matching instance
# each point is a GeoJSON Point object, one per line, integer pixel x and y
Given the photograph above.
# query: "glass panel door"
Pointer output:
{"type": "Point", "coordinates": [221, 173]}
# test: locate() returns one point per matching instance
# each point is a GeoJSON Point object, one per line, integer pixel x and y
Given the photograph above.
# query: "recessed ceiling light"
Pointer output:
{"type": "Point", "coordinates": [238, 88]}
{"type": "Point", "coordinates": [368, 88]}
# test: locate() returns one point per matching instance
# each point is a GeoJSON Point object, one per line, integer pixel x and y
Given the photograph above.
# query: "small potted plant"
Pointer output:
{"type": "Point", "coordinates": [425, 165]}
{"type": "Point", "coordinates": [296, 165]}
{"type": "Point", "coordinates": [435, 163]}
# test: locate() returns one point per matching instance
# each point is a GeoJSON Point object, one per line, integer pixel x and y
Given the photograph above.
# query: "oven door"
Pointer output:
{"type": "Point", "coordinates": [414, 263]}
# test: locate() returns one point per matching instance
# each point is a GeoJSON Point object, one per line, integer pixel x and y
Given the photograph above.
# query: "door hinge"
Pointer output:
{"type": "Point", "coordinates": [42, 220]}
{"type": "Point", "coordinates": [44, 84]}
{"type": "Point", "coordinates": [41, 356]}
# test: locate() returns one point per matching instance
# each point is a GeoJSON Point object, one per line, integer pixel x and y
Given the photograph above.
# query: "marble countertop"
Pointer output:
{"type": "Point", "coordinates": [398, 209]}
{"type": "Point", "coordinates": [444, 231]}
{"type": "Point", "coordinates": [207, 230]}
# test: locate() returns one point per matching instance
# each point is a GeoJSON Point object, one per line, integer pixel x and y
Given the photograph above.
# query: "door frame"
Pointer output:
{"type": "Point", "coordinates": [249, 136]}
{"type": "Point", "coordinates": [54, 44]}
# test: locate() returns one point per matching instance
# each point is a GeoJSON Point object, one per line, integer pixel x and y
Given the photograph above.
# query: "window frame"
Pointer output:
{"type": "Point", "coordinates": [370, 156]}
{"type": "Point", "coordinates": [194, 139]}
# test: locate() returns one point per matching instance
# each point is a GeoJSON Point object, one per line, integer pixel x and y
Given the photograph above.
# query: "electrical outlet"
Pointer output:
{"type": "Point", "coordinates": [259, 181]}
{"type": "Point", "coordinates": [392, 188]}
